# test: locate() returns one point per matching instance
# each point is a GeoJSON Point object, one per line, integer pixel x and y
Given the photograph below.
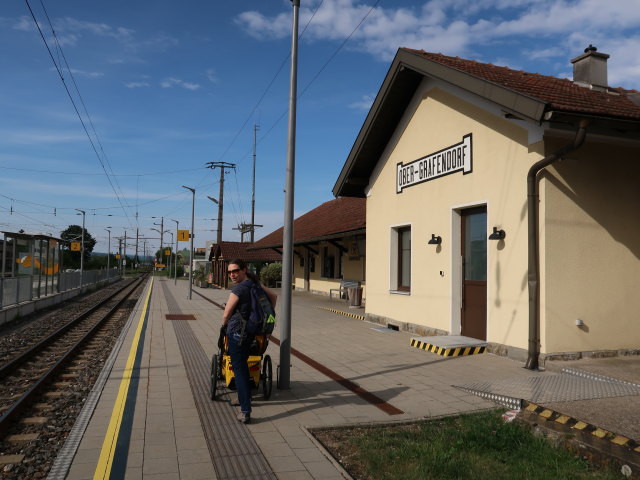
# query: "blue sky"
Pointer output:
{"type": "Point", "coordinates": [169, 86]}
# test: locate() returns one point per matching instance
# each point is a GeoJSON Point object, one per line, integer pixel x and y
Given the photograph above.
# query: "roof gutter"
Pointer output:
{"type": "Point", "coordinates": [532, 209]}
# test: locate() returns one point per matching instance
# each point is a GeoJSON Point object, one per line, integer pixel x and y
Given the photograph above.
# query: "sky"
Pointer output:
{"type": "Point", "coordinates": [112, 107]}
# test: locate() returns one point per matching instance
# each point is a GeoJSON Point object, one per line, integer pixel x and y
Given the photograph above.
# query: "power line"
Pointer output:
{"type": "Point", "coordinates": [284, 62]}
{"type": "Point", "coordinates": [93, 146]}
{"type": "Point", "coordinates": [315, 77]}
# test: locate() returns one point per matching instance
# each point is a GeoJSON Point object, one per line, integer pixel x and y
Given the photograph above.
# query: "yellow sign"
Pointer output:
{"type": "Point", "coordinates": [183, 235]}
{"type": "Point", "coordinates": [167, 252]}
{"type": "Point", "coordinates": [160, 265]}
{"type": "Point", "coordinates": [75, 247]}
{"type": "Point", "coordinates": [117, 256]}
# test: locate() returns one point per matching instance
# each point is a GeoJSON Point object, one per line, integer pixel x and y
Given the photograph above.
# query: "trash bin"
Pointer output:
{"type": "Point", "coordinates": [355, 296]}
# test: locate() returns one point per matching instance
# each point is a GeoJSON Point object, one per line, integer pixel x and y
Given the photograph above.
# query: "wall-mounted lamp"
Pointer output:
{"type": "Point", "coordinates": [435, 240]}
{"type": "Point", "coordinates": [497, 234]}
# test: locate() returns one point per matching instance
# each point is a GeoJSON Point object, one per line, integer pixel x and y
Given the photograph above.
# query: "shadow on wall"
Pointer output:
{"type": "Point", "coordinates": [605, 187]}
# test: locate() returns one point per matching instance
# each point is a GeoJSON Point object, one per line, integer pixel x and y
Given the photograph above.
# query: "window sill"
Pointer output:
{"type": "Point", "coordinates": [399, 292]}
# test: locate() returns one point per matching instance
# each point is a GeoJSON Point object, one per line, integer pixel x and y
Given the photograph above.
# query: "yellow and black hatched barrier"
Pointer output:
{"type": "Point", "coordinates": [448, 351]}
{"type": "Point", "coordinates": [340, 312]}
{"type": "Point", "coordinates": [553, 416]}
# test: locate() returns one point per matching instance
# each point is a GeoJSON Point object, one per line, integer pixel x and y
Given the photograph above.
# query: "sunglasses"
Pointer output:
{"type": "Point", "coordinates": [235, 271]}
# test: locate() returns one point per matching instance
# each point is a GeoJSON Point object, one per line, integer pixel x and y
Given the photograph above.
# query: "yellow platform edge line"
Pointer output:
{"type": "Point", "coordinates": [105, 462]}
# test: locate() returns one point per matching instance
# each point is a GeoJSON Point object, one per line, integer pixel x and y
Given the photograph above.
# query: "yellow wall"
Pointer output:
{"type": "Point", "coordinates": [589, 233]}
{"type": "Point", "coordinates": [501, 158]}
{"type": "Point", "coordinates": [352, 269]}
{"type": "Point", "coordinates": [592, 250]}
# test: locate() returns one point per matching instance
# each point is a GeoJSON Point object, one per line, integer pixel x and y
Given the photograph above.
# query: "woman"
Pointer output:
{"type": "Point", "coordinates": [238, 307]}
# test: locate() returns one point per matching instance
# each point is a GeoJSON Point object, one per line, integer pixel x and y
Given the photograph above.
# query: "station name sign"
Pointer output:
{"type": "Point", "coordinates": [456, 158]}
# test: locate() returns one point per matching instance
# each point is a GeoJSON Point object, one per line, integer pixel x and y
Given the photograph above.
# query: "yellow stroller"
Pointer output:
{"type": "Point", "coordinates": [260, 367]}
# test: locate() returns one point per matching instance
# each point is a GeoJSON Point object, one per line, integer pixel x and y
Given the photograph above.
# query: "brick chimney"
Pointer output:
{"type": "Point", "coordinates": [590, 69]}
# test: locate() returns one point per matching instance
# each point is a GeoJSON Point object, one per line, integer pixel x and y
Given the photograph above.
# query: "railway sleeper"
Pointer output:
{"type": "Point", "coordinates": [34, 420]}
{"type": "Point", "coordinates": [10, 459]}
{"type": "Point", "coordinates": [22, 438]}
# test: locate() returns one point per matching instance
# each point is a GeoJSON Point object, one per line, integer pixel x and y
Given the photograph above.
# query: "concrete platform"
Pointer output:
{"type": "Point", "coordinates": [152, 418]}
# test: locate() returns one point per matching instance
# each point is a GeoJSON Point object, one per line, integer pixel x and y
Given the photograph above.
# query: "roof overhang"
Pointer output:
{"type": "Point", "coordinates": [314, 240]}
{"type": "Point", "coordinates": [407, 71]}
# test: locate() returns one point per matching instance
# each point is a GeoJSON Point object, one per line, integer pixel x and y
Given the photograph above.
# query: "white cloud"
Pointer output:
{"type": "Point", "coordinates": [137, 84]}
{"type": "Point", "coordinates": [31, 137]}
{"type": "Point", "coordinates": [211, 75]}
{"type": "Point", "coordinates": [86, 74]}
{"type": "Point", "coordinates": [176, 82]}
{"type": "Point", "coordinates": [363, 104]}
{"type": "Point", "coordinates": [460, 27]}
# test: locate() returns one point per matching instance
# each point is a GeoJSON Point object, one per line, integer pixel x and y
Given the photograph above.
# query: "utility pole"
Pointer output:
{"type": "Point", "coordinates": [253, 186]}
{"type": "Point", "coordinates": [246, 228]}
{"type": "Point", "coordinates": [222, 166]}
{"type": "Point", "coordinates": [161, 235]}
{"type": "Point", "coordinates": [287, 237]}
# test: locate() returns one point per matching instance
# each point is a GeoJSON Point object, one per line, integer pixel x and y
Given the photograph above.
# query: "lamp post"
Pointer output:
{"type": "Point", "coordinates": [161, 233]}
{"type": "Point", "coordinates": [193, 206]}
{"type": "Point", "coordinates": [82, 212]}
{"type": "Point", "coordinates": [108, 253]}
{"type": "Point", "coordinates": [175, 263]}
{"type": "Point", "coordinates": [170, 253]}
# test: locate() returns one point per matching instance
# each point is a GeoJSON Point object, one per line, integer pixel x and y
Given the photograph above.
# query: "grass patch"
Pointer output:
{"type": "Point", "coordinates": [479, 445]}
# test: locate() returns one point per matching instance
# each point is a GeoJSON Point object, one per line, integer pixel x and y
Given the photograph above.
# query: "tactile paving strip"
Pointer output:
{"type": "Point", "coordinates": [234, 452]}
{"type": "Point", "coordinates": [547, 388]}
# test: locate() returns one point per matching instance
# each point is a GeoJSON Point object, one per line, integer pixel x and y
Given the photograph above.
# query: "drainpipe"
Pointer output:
{"type": "Point", "coordinates": [532, 204]}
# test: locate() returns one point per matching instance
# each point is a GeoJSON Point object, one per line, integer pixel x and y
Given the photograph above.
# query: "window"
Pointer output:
{"type": "Point", "coordinates": [404, 259]}
{"type": "Point", "coordinates": [401, 259]}
{"type": "Point", "coordinates": [328, 263]}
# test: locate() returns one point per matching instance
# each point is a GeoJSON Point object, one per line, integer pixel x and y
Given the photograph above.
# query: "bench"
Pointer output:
{"type": "Point", "coordinates": [345, 285]}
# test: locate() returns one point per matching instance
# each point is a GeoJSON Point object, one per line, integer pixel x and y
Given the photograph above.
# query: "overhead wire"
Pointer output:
{"type": "Point", "coordinates": [315, 77]}
{"type": "Point", "coordinates": [268, 87]}
{"type": "Point", "coordinates": [93, 146]}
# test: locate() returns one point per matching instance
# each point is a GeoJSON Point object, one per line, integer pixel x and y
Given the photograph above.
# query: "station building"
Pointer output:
{"type": "Point", "coordinates": [221, 254]}
{"type": "Point", "coordinates": [329, 247]}
{"type": "Point", "coordinates": [502, 205]}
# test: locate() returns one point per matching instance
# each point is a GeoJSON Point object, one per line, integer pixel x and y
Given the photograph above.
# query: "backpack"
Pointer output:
{"type": "Point", "coordinates": [262, 318]}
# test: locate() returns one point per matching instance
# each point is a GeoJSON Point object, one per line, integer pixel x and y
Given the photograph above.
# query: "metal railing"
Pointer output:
{"type": "Point", "coordinates": [25, 288]}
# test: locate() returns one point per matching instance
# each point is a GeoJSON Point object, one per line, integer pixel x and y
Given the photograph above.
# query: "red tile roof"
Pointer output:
{"type": "Point", "coordinates": [233, 250]}
{"type": "Point", "coordinates": [560, 94]}
{"type": "Point", "coordinates": [342, 215]}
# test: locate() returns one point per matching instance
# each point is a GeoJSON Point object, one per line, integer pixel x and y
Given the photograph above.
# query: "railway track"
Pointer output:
{"type": "Point", "coordinates": [41, 387]}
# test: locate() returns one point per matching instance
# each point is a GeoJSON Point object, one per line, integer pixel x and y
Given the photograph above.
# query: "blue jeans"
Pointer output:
{"type": "Point", "coordinates": [239, 357]}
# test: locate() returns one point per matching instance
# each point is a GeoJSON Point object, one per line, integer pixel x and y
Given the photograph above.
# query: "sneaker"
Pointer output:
{"type": "Point", "coordinates": [244, 417]}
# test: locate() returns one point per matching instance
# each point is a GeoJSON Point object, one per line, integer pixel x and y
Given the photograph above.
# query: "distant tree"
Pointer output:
{"type": "Point", "coordinates": [73, 233]}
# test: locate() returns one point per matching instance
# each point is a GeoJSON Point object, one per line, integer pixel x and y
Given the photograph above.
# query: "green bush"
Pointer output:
{"type": "Point", "coordinates": [271, 274]}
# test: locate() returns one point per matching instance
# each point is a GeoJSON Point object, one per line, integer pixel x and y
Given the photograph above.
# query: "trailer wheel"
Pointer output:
{"type": "Point", "coordinates": [267, 377]}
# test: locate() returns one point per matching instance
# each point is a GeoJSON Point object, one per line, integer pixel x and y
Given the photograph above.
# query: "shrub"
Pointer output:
{"type": "Point", "coordinates": [271, 274]}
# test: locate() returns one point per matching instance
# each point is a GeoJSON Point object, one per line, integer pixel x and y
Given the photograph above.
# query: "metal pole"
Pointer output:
{"type": "Point", "coordinates": [108, 254]}
{"type": "Point", "coordinates": [175, 264]}
{"type": "Point", "coordinates": [287, 254]}
{"type": "Point", "coordinates": [253, 187]}
{"type": "Point", "coordinates": [220, 207]}
{"type": "Point", "coordinates": [124, 263]}
{"type": "Point", "coordinates": [193, 204]}
{"type": "Point", "coordinates": [82, 249]}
